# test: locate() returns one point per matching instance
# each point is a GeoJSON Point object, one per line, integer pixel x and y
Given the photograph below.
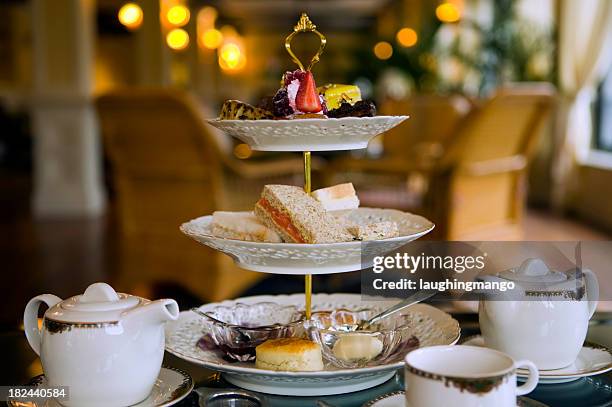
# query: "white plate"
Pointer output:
{"type": "Point", "coordinates": [172, 385]}
{"type": "Point", "coordinates": [183, 334]}
{"type": "Point", "coordinates": [295, 258]}
{"type": "Point", "coordinates": [347, 133]}
{"type": "Point", "coordinates": [592, 360]}
{"type": "Point", "coordinates": [396, 399]}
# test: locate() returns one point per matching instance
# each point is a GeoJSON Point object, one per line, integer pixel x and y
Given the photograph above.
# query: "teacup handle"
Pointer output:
{"type": "Point", "coordinates": [532, 381]}
{"type": "Point", "coordinates": [592, 290]}
{"type": "Point", "coordinates": [30, 319]}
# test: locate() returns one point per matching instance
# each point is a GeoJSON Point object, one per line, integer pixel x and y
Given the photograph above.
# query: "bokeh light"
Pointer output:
{"type": "Point", "coordinates": [178, 15]}
{"type": "Point", "coordinates": [407, 37]}
{"type": "Point", "coordinates": [212, 38]}
{"type": "Point", "coordinates": [177, 39]}
{"type": "Point", "coordinates": [207, 16]}
{"type": "Point", "coordinates": [242, 151]}
{"type": "Point", "coordinates": [231, 57]}
{"type": "Point", "coordinates": [448, 13]}
{"type": "Point", "coordinates": [130, 15]}
{"type": "Point", "coordinates": [228, 31]}
{"type": "Point", "coordinates": [383, 50]}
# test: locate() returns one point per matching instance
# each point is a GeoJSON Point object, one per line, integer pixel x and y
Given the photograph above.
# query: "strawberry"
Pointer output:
{"type": "Point", "coordinates": [307, 99]}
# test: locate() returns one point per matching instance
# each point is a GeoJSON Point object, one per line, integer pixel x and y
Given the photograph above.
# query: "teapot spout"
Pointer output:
{"type": "Point", "coordinates": [155, 312]}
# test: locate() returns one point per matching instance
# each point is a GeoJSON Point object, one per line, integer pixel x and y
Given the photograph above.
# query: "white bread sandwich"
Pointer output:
{"type": "Point", "coordinates": [341, 196]}
{"type": "Point", "coordinates": [242, 226]}
{"type": "Point", "coordinates": [289, 354]}
{"type": "Point", "coordinates": [374, 231]}
{"type": "Point", "coordinates": [297, 217]}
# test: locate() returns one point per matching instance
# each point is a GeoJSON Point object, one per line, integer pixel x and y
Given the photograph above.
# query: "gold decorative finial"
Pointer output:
{"type": "Point", "coordinates": [305, 25]}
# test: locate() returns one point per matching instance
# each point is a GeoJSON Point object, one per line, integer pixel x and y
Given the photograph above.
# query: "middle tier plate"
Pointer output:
{"type": "Point", "coordinates": [325, 258]}
{"type": "Point", "coordinates": [347, 133]}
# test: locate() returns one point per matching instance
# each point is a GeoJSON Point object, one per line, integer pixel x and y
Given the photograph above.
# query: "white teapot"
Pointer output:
{"type": "Point", "coordinates": [545, 319]}
{"type": "Point", "coordinates": [107, 347]}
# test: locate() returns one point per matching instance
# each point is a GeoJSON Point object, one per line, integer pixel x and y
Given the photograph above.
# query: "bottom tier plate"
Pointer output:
{"type": "Point", "coordinates": [325, 387]}
{"type": "Point", "coordinates": [183, 334]}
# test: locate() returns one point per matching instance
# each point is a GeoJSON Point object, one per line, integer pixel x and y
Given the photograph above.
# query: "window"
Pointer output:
{"type": "Point", "coordinates": [604, 115]}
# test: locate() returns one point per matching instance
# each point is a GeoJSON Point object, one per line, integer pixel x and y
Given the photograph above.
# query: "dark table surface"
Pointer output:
{"type": "Point", "coordinates": [20, 364]}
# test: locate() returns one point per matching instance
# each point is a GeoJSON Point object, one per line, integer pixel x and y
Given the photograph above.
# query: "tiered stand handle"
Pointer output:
{"type": "Point", "coordinates": [307, 135]}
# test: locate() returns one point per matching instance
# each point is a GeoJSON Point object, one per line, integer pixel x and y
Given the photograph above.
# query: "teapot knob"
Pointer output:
{"type": "Point", "coordinates": [534, 267]}
{"type": "Point", "coordinates": [99, 292]}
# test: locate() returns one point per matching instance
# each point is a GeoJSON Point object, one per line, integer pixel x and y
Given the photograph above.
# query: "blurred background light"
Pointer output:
{"type": "Point", "coordinates": [207, 16]}
{"type": "Point", "coordinates": [177, 39]}
{"type": "Point", "coordinates": [212, 38]}
{"type": "Point", "coordinates": [130, 15]}
{"type": "Point", "coordinates": [178, 15]}
{"type": "Point", "coordinates": [407, 37]}
{"type": "Point", "coordinates": [231, 57]}
{"type": "Point", "coordinates": [228, 31]}
{"type": "Point", "coordinates": [448, 12]}
{"type": "Point", "coordinates": [383, 50]}
{"type": "Point", "coordinates": [242, 151]}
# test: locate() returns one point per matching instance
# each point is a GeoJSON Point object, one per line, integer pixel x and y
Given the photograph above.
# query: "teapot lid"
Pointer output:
{"type": "Point", "coordinates": [534, 271]}
{"type": "Point", "coordinates": [99, 303]}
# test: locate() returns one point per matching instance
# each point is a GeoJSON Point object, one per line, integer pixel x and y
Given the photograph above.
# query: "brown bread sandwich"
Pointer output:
{"type": "Point", "coordinates": [298, 217]}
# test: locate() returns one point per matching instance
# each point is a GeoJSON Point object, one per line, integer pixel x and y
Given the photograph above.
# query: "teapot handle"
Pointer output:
{"type": "Point", "coordinates": [592, 290]}
{"type": "Point", "coordinates": [30, 319]}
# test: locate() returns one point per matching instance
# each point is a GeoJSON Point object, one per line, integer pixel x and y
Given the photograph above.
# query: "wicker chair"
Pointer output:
{"type": "Point", "coordinates": [474, 188]}
{"type": "Point", "coordinates": [167, 166]}
{"type": "Point", "coordinates": [391, 180]}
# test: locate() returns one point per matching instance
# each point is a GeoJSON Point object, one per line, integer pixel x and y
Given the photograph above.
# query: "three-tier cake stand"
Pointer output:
{"type": "Point", "coordinates": [306, 136]}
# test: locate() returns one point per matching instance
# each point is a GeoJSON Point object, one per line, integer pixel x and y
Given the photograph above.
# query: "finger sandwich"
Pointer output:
{"type": "Point", "coordinates": [242, 226]}
{"type": "Point", "coordinates": [338, 197]}
{"type": "Point", "coordinates": [297, 217]}
{"type": "Point", "coordinates": [374, 231]}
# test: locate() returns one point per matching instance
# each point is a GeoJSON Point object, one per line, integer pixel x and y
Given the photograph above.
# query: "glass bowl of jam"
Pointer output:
{"type": "Point", "coordinates": [345, 346]}
{"type": "Point", "coordinates": [236, 330]}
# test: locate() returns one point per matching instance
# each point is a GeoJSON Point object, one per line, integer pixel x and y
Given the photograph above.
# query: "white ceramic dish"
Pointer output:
{"type": "Point", "coordinates": [172, 385]}
{"type": "Point", "coordinates": [347, 133]}
{"type": "Point", "coordinates": [545, 304]}
{"type": "Point", "coordinates": [295, 258]}
{"type": "Point", "coordinates": [183, 334]}
{"type": "Point", "coordinates": [592, 360]}
{"type": "Point", "coordinates": [107, 347]}
{"type": "Point", "coordinates": [397, 399]}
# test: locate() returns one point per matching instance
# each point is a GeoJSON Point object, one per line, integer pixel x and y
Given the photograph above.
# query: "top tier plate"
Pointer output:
{"type": "Point", "coordinates": [347, 133]}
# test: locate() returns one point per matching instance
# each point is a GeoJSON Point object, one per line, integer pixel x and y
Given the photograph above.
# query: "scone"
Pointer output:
{"type": "Point", "coordinates": [289, 354]}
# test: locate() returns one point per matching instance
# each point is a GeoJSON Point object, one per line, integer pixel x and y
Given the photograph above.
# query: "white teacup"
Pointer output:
{"type": "Point", "coordinates": [464, 376]}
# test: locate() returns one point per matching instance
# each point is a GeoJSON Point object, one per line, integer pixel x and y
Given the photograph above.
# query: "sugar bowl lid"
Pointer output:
{"type": "Point", "coordinates": [99, 303]}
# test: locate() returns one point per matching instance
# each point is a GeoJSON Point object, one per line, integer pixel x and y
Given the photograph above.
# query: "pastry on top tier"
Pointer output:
{"type": "Point", "coordinates": [336, 94]}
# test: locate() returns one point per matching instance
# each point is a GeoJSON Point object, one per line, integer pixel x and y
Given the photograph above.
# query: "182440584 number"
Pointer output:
{"type": "Point", "coordinates": [30, 393]}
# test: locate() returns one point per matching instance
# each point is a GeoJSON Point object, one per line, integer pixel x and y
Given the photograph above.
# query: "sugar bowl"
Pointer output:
{"type": "Point", "coordinates": [544, 318]}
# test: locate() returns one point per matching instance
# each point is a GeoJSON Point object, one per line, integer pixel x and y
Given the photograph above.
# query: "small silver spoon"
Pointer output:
{"type": "Point", "coordinates": [413, 299]}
